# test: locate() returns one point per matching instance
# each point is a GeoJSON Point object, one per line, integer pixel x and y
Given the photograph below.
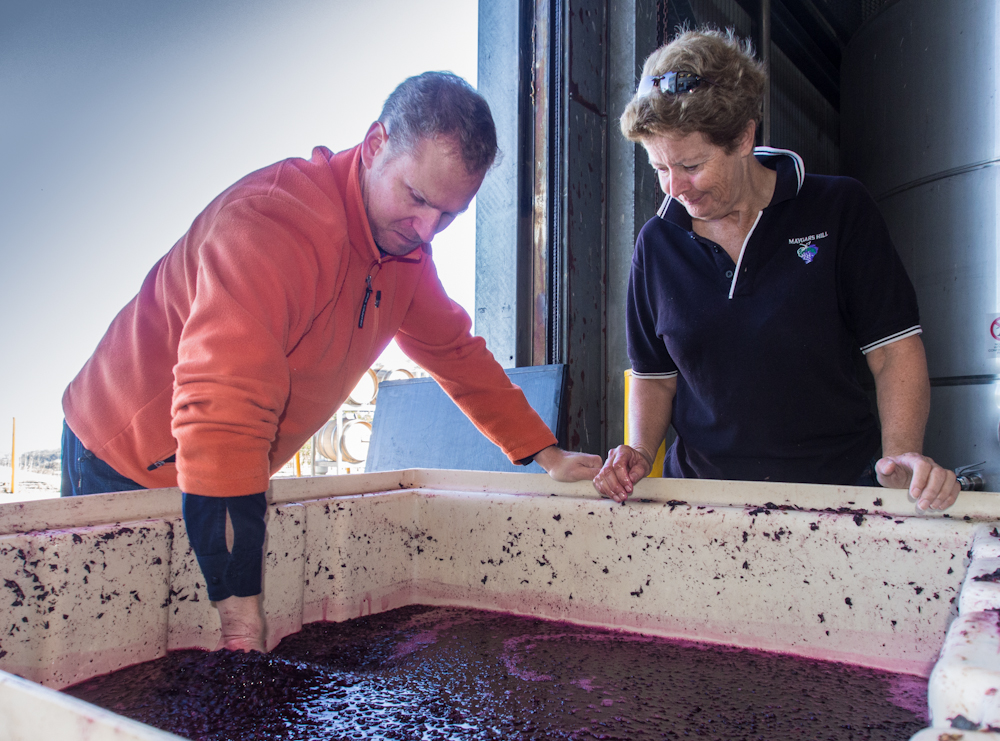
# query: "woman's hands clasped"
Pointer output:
{"type": "Point", "coordinates": [624, 467]}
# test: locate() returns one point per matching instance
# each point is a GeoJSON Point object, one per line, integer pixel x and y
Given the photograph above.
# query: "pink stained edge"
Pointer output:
{"type": "Point", "coordinates": [76, 667]}
{"type": "Point", "coordinates": [533, 604]}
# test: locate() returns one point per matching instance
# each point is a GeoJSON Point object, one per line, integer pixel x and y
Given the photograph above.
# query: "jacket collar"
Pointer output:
{"type": "Point", "coordinates": [347, 169]}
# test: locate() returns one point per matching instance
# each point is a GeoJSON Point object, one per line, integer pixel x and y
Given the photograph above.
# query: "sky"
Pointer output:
{"type": "Point", "coordinates": [121, 119]}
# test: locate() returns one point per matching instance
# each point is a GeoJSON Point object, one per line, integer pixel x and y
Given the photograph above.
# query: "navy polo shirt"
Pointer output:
{"type": "Point", "coordinates": [765, 350]}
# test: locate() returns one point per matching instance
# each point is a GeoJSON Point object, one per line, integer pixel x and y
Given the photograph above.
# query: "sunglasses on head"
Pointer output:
{"type": "Point", "coordinates": [670, 83]}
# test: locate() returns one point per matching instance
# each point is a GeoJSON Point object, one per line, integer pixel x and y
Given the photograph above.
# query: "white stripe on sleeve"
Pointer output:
{"type": "Point", "coordinates": [671, 374]}
{"type": "Point", "coordinates": [915, 329]}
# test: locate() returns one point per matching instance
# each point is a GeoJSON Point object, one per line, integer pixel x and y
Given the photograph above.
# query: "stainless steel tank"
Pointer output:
{"type": "Point", "coordinates": [919, 129]}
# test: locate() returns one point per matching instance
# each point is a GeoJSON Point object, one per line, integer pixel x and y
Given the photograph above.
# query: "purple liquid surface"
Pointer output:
{"type": "Point", "coordinates": [445, 673]}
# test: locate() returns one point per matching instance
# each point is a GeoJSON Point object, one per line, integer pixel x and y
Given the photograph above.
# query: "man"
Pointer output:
{"type": "Point", "coordinates": [252, 330]}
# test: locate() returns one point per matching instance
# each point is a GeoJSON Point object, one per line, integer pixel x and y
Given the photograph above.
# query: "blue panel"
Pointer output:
{"type": "Point", "coordinates": [416, 425]}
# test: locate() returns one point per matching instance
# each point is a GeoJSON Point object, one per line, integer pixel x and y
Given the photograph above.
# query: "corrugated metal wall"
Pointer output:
{"type": "Point", "coordinates": [724, 14]}
{"type": "Point", "coordinates": [849, 14]}
{"type": "Point", "coordinates": [801, 118]}
{"type": "Point", "coordinates": [870, 7]}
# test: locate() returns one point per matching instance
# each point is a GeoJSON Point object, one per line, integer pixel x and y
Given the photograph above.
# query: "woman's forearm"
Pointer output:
{"type": "Point", "coordinates": [650, 407]}
{"type": "Point", "coordinates": [903, 392]}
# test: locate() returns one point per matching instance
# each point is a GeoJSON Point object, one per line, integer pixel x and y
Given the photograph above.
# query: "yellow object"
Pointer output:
{"type": "Point", "coordinates": [298, 463]}
{"type": "Point", "coordinates": [657, 472]}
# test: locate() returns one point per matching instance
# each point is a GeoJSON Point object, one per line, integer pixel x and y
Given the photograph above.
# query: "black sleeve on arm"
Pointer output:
{"type": "Point", "coordinates": [236, 574]}
{"type": "Point", "coordinates": [530, 459]}
{"type": "Point", "coordinates": [646, 351]}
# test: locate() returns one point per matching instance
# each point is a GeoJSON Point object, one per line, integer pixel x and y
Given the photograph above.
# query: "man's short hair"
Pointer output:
{"type": "Point", "coordinates": [442, 104]}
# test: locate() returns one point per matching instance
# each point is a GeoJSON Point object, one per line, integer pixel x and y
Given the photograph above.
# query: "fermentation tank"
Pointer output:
{"type": "Point", "coordinates": [92, 584]}
{"type": "Point", "coordinates": [919, 129]}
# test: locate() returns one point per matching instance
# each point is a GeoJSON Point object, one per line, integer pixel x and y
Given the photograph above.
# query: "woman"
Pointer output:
{"type": "Point", "coordinates": [751, 294]}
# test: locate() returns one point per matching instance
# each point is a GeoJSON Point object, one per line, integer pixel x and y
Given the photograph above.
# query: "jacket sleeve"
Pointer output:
{"type": "Point", "coordinates": [251, 281]}
{"type": "Point", "coordinates": [436, 335]}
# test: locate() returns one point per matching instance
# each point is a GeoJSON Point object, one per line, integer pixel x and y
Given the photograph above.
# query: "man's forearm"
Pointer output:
{"type": "Point", "coordinates": [233, 579]}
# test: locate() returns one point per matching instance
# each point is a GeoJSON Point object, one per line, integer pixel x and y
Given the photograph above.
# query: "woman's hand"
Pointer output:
{"type": "Point", "coordinates": [624, 467]}
{"type": "Point", "coordinates": [931, 486]}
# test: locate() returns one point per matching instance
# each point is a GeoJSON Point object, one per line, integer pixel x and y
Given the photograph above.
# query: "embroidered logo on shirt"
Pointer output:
{"type": "Point", "coordinates": [807, 252]}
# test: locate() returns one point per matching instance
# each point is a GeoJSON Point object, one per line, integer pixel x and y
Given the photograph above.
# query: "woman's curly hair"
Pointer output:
{"type": "Point", "coordinates": [720, 109]}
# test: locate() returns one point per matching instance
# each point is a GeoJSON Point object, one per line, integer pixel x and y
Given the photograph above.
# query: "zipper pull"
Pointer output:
{"type": "Point", "coordinates": [364, 304]}
{"type": "Point", "coordinates": [378, 298]}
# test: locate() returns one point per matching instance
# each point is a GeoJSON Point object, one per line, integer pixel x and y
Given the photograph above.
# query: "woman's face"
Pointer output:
{"type": "Point", "coordinates": [707, 180]}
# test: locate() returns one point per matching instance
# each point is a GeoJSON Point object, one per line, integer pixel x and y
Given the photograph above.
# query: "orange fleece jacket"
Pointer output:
{"type": "Point", "coordinates": [243, 339]}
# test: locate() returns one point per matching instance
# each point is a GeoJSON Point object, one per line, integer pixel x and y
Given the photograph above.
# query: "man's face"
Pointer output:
{"type": "Point", "coordinates": [410, 196]}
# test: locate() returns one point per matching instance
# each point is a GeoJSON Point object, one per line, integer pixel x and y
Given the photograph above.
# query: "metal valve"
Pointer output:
{"type": "Point", "coordinates": [970, 478]}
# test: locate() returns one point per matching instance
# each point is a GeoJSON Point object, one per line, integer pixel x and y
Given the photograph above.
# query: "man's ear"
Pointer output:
{"type": "Point", "coordinates": [375, 143]}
